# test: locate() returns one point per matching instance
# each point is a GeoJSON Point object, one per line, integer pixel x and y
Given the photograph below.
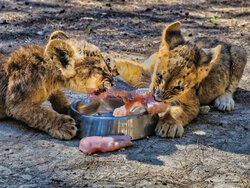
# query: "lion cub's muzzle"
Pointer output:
{"type": "Point", "coordinates": [106, 85]}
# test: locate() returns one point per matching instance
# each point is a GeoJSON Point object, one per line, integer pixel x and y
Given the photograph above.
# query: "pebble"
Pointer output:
{"type": "Point", "coordinates": [10, 151]}
{"type": "Point", "coordinates": [27, 170]}
{"type": "Point", "coordinates": [41, 33]}
{"type": "Point", "coordinates": [29, 186]}
{"type": "Point", "coordinates": [5, 171]}
{"type": "Point", "coordinates": [3, 21]}
{"type": "Point", "coordinates": [26, 177]}
{"type": "Point", "coordinates": [204, 109]}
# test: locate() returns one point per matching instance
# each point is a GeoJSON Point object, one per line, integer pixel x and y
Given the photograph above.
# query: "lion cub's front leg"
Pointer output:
{"type": "Point", "coordinates": [175, 118]}
{"type": "Point", "coordinates": [57, 125]}
{"type": "Point", "coordinates": [59, 102]}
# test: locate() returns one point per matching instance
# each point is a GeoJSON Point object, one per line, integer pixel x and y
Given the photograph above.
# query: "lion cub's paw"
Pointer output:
{"type": "Point", "coordinates": [65, 129]}
{"type": "Point", "coordinates": [64, 109]}
{"type": "Point", "coordinates": [225, 102]}
{"type": "Point", "coordinates": [165, 129]}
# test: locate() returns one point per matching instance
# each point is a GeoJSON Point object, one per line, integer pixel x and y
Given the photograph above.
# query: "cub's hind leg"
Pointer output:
{"type": "Point", "coordinates": [239, 60]}
{"type": "Point", "coordinates": [59, 102]}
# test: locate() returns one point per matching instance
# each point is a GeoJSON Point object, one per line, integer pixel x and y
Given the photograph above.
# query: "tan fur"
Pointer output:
{"type": "Point", "coordinates": [132, 73]}
{"type": "Point", "coordinates": [190, 74]}
{"type": "Point", "coordinates": [33, 74]}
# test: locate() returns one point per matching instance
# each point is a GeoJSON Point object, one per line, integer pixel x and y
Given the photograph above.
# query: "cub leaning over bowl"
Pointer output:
{"type": "Point", "coordinates": [186, 75]}
{"type": "Point", "coordinates": [33, 74]}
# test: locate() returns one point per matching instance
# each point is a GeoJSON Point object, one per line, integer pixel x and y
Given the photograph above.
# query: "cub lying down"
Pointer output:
{"type": "Point", "coordinates": [33, 74]}
{"type": "Point", "coordinates": [186, 75]}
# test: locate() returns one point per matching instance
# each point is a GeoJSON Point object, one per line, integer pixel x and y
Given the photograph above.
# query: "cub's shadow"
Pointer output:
{"type": "Point", "coordinates": [226, 131]}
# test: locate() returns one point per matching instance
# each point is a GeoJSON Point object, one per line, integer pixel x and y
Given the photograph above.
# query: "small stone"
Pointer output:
{"type": "Point", "coordinates": [10, 151]}
{"type": "Point", "coordinates": [29, 186]}
{"type": "Point", "coordinates": [41, 33]}
{"type": "Point", "coordinates": [62, 11]}
{"type": "Point", "coordinates": [5, 171]}
{"type": "Point", "coordinates": [148, 9]}
{"type": "Point", "coordinates": [3, 21]}
{"type": "Point", "coordinates": [27, 170]}
{"type": "Point", "coordinates": [26, 177]}
{"type": "Point", "coordinates": [204, 110]}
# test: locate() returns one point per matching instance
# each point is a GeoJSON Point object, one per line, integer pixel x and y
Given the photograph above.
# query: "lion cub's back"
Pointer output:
{"type": "Point", "coordinates": [218, 80]}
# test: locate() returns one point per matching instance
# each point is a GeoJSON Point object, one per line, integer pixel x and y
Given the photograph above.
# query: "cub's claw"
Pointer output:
{"type": "Point", "coordinates": [169, 130]}
{"type": "Point", "coordinates": [225, 102]}
{"type": "Point", "coordinates": [65, 129]}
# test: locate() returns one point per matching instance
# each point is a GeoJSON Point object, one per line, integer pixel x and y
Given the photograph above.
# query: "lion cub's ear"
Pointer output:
{"type": "Point", "coordinates": [63, 55]}
{"type": "Point", "coordinates": [172, 37]}
{"type": "Point", "coordinates": [58, 35]}
{"type": "Point", "coordinates": [204, 67]}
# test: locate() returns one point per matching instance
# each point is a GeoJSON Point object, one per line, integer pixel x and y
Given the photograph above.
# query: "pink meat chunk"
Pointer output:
{"type": "Point", "coordinates": [157, 107]}
{"type": "Point", "coordinates": [153, 107]}
{"type": "Point", "coordinates": [93, 144]}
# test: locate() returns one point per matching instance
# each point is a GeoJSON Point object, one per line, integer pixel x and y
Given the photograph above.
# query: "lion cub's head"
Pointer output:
{"type": "Point", "coordinates": [81, 71]}
{"type": "Point", "coordinates": [179, 65]}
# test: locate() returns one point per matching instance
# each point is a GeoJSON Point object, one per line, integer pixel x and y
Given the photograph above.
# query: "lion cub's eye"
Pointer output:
{"type": "Point", "coordinates": [108, 61]}
{"type": "Point", "coordinates": [159, 76]}
{"type": "Point", "coordinates": [179, 88]}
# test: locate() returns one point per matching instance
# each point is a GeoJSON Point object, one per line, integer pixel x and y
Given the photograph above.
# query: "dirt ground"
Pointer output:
{"type": "Point", "coordinates": [215, 148]}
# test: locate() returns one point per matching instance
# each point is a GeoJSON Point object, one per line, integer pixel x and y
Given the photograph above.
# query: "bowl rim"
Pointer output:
{"type": "Point", "coordinates": [100, 117]}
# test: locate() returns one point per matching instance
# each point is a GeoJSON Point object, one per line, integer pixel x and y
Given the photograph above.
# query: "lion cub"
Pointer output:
{"type": "Point", "coordinates": [33, 74]}
{"type": "Point", "coordinates": [187, 75]}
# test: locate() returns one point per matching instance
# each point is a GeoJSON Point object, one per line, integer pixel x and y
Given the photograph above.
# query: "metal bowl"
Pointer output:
{"type": "Point", "coordinates": [138, 125]}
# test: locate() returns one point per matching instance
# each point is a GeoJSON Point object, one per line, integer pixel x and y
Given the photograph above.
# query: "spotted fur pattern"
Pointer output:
{"type": "Point", "coordinates": [33, 74]}
{"type": "Point", "coordinates": [189, 74]}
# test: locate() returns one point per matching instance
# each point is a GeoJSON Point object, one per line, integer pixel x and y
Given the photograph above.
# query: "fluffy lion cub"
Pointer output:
{"type": "Point", "coordinates": [187, 75]}
{"type": "Point", "coordinates": [33, 74]}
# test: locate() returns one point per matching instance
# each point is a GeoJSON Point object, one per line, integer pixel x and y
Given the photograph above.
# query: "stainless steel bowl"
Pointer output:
{"type": "Point", "coordinates": [138, 125]}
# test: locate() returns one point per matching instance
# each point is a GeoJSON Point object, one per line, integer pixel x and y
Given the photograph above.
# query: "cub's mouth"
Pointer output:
{"type": "Point", "coordinates": [99, 91]}
{"type": "Point", "coordinates": [106, 85]}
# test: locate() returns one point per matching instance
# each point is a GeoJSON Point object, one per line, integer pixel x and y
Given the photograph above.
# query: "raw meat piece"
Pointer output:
{"type": "Point", "coordinates": [152, 106]}
{"type": "Point", "coordinates": [93, 144]}
{"type": "Point", "coordinates": [157, 107]}
{"type": "Point", "coordinates": [127, 109]}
